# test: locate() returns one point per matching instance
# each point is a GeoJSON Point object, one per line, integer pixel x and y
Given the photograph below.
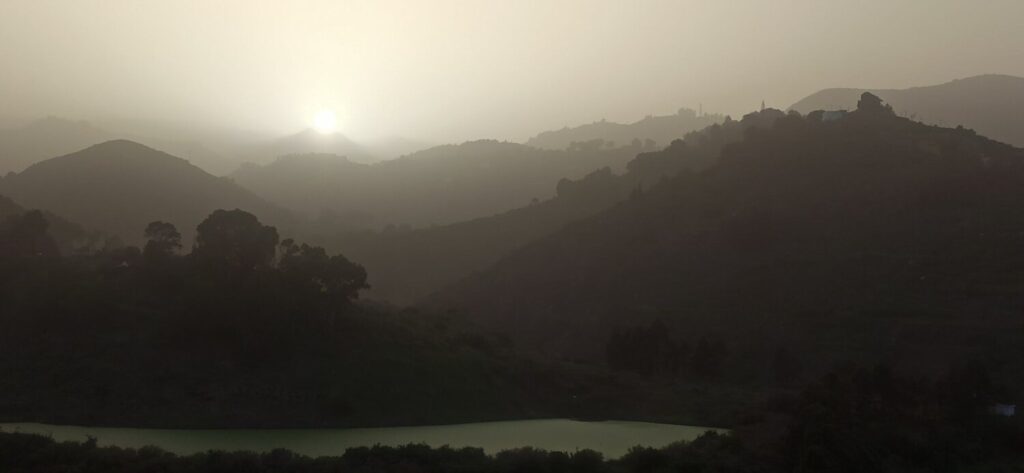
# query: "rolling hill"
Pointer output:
{"type": "Point", "coordinates": [43, 139]}
{"type": "Point", "coordinates": [406, 266]}
{"type": "Point", "coordinates": [118, 187]}
{"type": "Point", "coordinates": [440, 185]}
{"type": "Point", "coordinates": [867, 238]}
{"type": "Point", "coordinates": [990, 104]}
{"type": "Point", "coordinates": [308, 142]}
{"type": "Point", "coordinates": [662, 130]}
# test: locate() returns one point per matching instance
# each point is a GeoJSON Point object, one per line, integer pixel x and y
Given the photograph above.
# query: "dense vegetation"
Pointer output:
{"type": "Point", "coordinates": [853, 420]}
{"type": "Point", "coordinates": [246, 330]}
{"type": "Point", "coordinates": [67, 236]}
{"type": "Point", "coordinates": [870, 238]}
{"type": "Point", "coordinates": [742, 263]}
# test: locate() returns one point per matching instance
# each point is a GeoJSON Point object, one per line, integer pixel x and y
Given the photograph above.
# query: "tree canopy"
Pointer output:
{"type": "Point", "coordinates": [235, 238]}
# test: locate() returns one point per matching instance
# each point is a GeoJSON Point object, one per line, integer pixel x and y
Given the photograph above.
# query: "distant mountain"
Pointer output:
{"type": "Point", "coordinates": [660, 129]}
{"type": "Point", "coordinates": [405, 266]}
{"type": "Point", "coordinates": [43, 139]}
{"type": "Point", "coordinates": [195, 152]}
{"type": "Point", "coordinates": [989, 104]}
{"type": "Point", "coordinates": [439, 185]}
{"type": "Point", "coordinates": [868, 237]}
{"type": "Point", "coordinates": [394, 147]}
{"type": "Point", "coordinates": [309, 141]}
{"type": "Point", "coordinates": [118, 187]}
{"type": "Point", "coordinates": [52, 136]}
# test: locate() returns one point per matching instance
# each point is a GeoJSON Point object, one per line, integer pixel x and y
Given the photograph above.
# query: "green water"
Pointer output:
{"type": "Point", "coordinates": [612, 438]}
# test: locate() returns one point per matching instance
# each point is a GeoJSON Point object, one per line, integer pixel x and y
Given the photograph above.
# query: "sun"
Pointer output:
{"type": "Point", "coordinates": [325, 121]}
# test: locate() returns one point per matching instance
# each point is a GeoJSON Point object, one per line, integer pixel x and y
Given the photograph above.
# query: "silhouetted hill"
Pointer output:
{"type": "Point", "coordinates": [52, 136]}
{"type": "Point", "coordinates": [408, 265]}
{"type": "Point", "coordinates": [195, 152]}
{"type": "Point", "coordinates": [310, 142]}
{"type": "Point", "coordinates": [440, 185]}
{"type": "Point", "coordinates": [118, 187]}
{"type": "Point", "coordinates": [660, 129]}
{"type": "Point", "coordinates": [990, 104]}
{"type": "Point", "coordinates": [868, 237]}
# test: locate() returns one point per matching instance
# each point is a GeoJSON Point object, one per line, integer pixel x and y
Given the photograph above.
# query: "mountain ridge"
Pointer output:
{"type": "Point", "coordinates": [988, 103]}
{"type": "Point", "coordinates": [119, 186]}
{"type": "Point", "coordinates": [830, 239]}
{"type": "Point", "coordinates": [660, 129]}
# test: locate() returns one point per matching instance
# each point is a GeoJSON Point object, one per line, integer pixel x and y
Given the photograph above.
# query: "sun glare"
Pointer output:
{"type": "Point", "coordinates": [325, 121]}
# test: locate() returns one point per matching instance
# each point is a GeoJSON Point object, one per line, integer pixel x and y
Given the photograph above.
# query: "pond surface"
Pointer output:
{"type": "Point", "coordinates": [612, 438]}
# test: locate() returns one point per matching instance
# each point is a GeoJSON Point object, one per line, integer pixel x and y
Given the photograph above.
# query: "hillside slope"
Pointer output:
{"type": "Point", "coordinates": [662, 130]}
{"type": "Point", "coordinates": [43, 139]}
{"type": "Point", "coordinates": [437, 186]}
{"type": "Point", "coordinates": [118, 187]}
{"type": "Point", "coordinates": [871, 237]}
{"type": "Point", "coordinates": [989, 104]}
{"type": "Point", "coordinates": [408, 265]}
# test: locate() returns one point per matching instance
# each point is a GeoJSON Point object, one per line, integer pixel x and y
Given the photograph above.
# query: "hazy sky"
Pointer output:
{"type": "Point", "coordinates": [449, 71]}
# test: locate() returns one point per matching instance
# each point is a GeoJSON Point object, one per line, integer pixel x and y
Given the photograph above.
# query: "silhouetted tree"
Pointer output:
{"type": "Point", "coordinates": [26, 235]}
{"type": "Point", "coordinates": [871, 103]}
{"type": "Point", "coordinates": [235, 238]}
{"type": "Point", "coordinates": [163, 240]}
{"type": "Point", "coordinates": [332, 275]}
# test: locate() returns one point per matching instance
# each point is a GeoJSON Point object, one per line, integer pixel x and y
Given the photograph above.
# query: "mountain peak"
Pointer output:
{"type": "Point", "coordinates": [121, 146]}
{"type": "Point", "coordinates": [120, 151]}
{"type": "Point", "coordinates": [119, 186]}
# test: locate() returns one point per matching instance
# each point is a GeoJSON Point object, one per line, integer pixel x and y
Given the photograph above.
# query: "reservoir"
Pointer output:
{"type": "Point", "coordinates": [611, 438]}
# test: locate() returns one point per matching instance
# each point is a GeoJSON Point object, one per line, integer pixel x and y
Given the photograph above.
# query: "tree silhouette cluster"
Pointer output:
{"type": "Point", "coordinates": [239, 297]}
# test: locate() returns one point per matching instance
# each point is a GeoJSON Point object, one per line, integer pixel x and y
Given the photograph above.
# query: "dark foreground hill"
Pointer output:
{"type": "Point", "coordinates": [989, 104]}
{"type": "Point", "coordinates": [869, 237]}
{"type": "Point", "coordinates": [118, 187]}
{"type": "Point", "coordinates": [250, 330]}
